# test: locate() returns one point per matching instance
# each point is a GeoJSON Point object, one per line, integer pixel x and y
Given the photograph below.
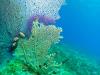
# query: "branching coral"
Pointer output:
{"type": "Point", "coordinates": [35, 50]}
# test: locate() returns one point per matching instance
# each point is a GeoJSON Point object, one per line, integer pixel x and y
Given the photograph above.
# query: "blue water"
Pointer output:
{"type": "Point", "coordinates": [80, 20]}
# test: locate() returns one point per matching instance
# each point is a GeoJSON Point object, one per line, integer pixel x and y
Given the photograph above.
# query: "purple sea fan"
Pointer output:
{"type": "Point", "coordinates": [47, 12]}
{"type": "Point", "coordinates": [41, 19]}
{"type": "Point", "coordinates": [15, 17]}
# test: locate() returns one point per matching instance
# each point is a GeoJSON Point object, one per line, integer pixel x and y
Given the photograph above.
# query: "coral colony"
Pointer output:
{"type": "Point", "coordinates": [30, 41]}
{"type": "Point", "coordinates": [17, 16]}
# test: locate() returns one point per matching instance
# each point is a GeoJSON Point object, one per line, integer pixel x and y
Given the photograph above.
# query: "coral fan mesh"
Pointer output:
{"type": "Point", "coordinates": [41, 7]}
{"type": "Point", "coordinates": [34, 51]}
{"type": "Point", "coordinates": [10, 24]}
{"type": "Point", "coordinates": [14, 14]}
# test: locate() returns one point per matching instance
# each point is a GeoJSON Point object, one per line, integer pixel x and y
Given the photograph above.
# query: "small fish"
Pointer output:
{"type": "Point", "coordinates": [17, 15]}
{"type": "Point", "coordinates": [10, 25]}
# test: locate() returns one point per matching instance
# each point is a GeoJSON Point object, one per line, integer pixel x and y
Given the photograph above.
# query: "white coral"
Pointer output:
{"type": "Point", "coordinates": [48, 8]}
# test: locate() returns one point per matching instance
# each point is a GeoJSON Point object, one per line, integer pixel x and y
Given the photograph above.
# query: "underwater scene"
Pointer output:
{"type": "Point", "coordinates": [49, 37]}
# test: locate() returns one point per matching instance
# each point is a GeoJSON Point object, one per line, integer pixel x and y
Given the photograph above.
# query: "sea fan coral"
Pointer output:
{"type": "Point", "coordinates": [10, 17]}
{"type": "Point", "coordinates": [39, 8]}
{"type": "Point", "coordinates": [14, 16]}
{"type": "Point", "coordinates": [35, 50]}
{"type": "Point", "coordinates": [48, 8]}
{"type": "Point", "coordinates": [42, 19]}
{"type": "Point", "coordinates": [10, 24]}
{"type": "Point", "coordinates": [72, 64]}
